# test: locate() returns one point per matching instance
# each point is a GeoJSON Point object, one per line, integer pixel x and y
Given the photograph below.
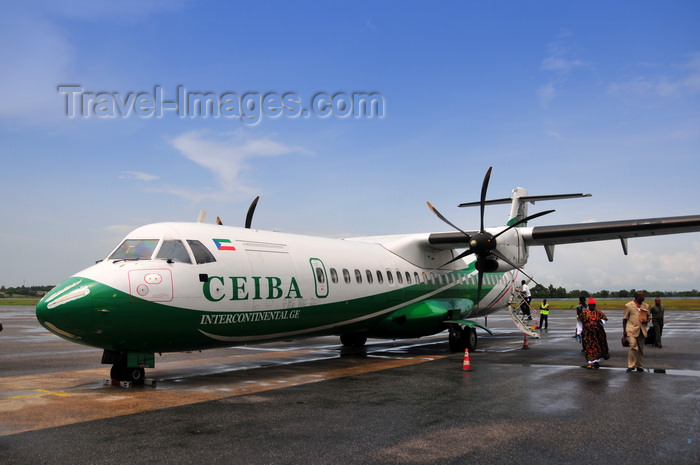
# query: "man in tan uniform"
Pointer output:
{"type": "Point", "coordinates": [634, 327]}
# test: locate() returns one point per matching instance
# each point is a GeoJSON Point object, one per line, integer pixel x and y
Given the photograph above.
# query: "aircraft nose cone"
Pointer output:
{"type": "Point", "coordinates": [67, 309]}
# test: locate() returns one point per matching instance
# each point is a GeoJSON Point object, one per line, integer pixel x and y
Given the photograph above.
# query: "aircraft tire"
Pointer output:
{"type": "Point", "coordinates": [456, 340]}
{"type": "Point", "coordinates": [122, 373]}
{"type": "Point", "coordinates": [353, 339]}
{"type": "Point", "coordinates": [470, 338]}
{"type": "Point", "coordinates": [136, 375]}
{"type": "Point", "coordinates": [462, 339]}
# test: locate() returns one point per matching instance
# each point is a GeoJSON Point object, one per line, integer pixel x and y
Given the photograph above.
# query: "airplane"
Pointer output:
{"type": "Point", "coordinates": [178, 287]}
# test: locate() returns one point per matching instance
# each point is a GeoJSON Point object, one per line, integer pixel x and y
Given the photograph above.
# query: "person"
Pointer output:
{"type": "Point", "coordinates": [595, 341]}
{"type": "Point", "coordinates": [657, 321]}
{"type": "Point", "coordinates": [527, 298]}
{"type": "Point", "coordinates": [634, 329]}
{"type": "Point", "coordinates": [579, 308]}
{"type": "Point", "coordinates": [544, 314]}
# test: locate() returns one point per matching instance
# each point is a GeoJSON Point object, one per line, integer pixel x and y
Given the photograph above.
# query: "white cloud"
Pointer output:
{"type": "Point", "coordinates": [602, 265]}
{"type": "Point", "coordinates": [546, 93]}
{"type": "Point", "coordinates": [684, 84]}
{"type": "Point", "coordinates": [139, 176]}
{"type": "Point", "coordinates": [226, 156]}
{"type": "Point", "coordinates": [560, 62]}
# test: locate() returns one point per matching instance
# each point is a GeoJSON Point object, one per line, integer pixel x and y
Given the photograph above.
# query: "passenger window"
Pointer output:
{"type": "Point", "coordinates": [358, 276]}
{"type": "Point", "coordinates": [399, 278]}
{"type": "Point", "coordinates": [346, 275]}
{"type": "Point", "coordinates": [135, 249]}
{"type": "Point", "coordinates": [408, 277]}
{"type": "Point", "coordinates": [380, 278]}
{"type": "Point", "coordinates": [389, 277]}
{"type": "Point", "coordinates": [334, 275]}
{"type": "Point", "coordinates": [174, 251]}
{"type": "Point", "coordinates": [320, 277]}
{"type": "Point", "coordinates": [369, 276]}
{"type": "Point", "coordinates": [201, 253]}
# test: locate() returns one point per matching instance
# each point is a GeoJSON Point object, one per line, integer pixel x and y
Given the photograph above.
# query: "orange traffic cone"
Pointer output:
{"type": "Point", "coordinates": [466, 366]}
{"type": "Point", "coordinates": [525, 346]}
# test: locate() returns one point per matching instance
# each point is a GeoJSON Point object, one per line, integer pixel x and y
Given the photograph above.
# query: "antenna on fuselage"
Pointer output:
{"type": "Point", "coordinates": [202, 216]}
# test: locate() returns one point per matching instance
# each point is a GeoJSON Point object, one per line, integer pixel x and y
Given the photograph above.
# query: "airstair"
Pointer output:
{"type": "Point", "coordinates": [527, 326]}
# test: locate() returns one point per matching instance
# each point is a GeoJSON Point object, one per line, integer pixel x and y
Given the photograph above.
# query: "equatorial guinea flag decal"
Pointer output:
{"type": "Point", "coordinates": [223, 244]}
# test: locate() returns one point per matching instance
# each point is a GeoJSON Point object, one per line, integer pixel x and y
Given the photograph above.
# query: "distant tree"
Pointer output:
{"type": "Point", "coordinates": [559, 293]}
{"type": "Point", "coordinates": [575, 294]}
{"type": "Point", "coordinates": [539, 292]}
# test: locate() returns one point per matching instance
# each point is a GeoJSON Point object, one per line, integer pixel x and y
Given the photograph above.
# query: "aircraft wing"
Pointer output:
{"type": "Point", "coordinates": [606, 230]}
{"type": "Point", "coordinates": [549, 236]}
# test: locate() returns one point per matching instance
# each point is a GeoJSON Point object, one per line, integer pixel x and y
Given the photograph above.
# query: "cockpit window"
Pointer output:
{"type": "Point", "coordinates": [201, 253]}
{"type": "Point", "coordinates": [174, 251]}
{"type": "Point", "coordinates": [135, 249]}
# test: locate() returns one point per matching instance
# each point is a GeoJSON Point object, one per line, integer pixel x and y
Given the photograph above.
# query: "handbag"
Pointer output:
{"type": "Point", "coordinates": [625, 342]}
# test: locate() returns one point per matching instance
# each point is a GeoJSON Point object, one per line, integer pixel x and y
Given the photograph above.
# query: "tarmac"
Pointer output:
{"type": "Point", "coordinates": [395, 402]}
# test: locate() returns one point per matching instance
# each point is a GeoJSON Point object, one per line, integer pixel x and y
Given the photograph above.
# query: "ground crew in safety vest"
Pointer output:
{"type": "Point", "coordinates": [544, 314]}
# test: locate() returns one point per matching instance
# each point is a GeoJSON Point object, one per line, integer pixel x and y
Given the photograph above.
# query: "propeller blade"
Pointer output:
{"type": "Point", "coordinates": [478, 288]}
{"type": "Point", "coordinates": [484, 188]}
{"type": "Point", "coordinates": [500, 256]}
{"type": "Point", "coordinates": [439, 215]}
{"type": "Point", "coordinates": [251, 210]}
{"type": "Point", "coordinates": [458, 257]}
{"type": "Point", "coordinates": [524, 220]}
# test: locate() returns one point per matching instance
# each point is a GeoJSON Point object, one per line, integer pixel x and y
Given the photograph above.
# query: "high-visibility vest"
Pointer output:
{"type": "Point", "coordinates": [544, 309]}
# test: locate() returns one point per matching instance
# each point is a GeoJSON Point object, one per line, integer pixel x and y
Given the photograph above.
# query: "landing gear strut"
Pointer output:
{"type": "Point", "coordinates": [462, 338]}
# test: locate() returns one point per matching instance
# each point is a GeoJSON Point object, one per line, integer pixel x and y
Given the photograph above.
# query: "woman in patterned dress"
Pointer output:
{"type": "Point", "coordinates": [595, 341]}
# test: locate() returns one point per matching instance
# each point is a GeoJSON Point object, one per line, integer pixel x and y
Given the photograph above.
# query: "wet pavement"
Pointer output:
{"type": "Point", "coordinates": [402, 402]}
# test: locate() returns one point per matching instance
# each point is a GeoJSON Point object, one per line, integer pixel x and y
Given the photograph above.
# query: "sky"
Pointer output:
{"type": "Point", "coordinates": [101, 130]}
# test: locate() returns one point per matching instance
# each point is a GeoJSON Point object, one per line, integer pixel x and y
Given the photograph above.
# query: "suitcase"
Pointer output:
{"type": "Point", "coordinates": [651, 336]}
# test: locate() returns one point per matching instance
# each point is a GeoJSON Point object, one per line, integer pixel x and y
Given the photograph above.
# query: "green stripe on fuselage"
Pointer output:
{"type": "Point", "coordinates": [115, 320]}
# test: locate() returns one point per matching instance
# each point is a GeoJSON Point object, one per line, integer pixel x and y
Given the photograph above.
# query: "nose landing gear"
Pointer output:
{"type": "Point", "coordinates": [121, 372]}
{"type": "Point", "coordinates": [128, 367]}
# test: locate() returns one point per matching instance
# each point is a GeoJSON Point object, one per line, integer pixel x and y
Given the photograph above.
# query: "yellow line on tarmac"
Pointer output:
{"type": "Point", "coordinates": [40, 392]}
{"type": "Point", "coordinates": [50, 405]}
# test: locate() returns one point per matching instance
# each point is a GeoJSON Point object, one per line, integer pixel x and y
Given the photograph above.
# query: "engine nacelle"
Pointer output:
{"type": "Point", "coordinates": [511, 246]}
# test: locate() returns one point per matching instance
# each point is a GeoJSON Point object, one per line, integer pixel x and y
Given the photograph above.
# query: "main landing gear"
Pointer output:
{"type": "Point", "coordinates": [462, 338]}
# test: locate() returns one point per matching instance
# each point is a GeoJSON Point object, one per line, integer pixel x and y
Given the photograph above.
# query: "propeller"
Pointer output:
{"type": "Point", "coordinates": [248, 216]}
{"type": "Point", "coordinates": [483, 244]}
{"type": "Point", "coordinates": [251, 210]}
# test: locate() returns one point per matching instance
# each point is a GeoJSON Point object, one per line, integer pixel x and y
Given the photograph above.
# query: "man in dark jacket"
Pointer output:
{"type": "Point", "coordinates": [657, 320]}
